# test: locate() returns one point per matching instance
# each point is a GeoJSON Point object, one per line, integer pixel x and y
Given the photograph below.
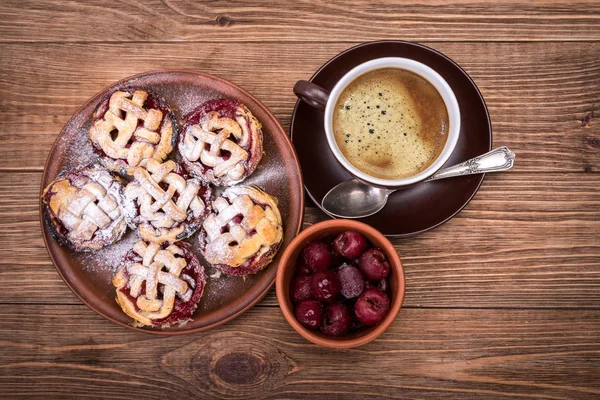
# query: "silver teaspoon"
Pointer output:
{"type": "Point", "coordinates": [355, 199]}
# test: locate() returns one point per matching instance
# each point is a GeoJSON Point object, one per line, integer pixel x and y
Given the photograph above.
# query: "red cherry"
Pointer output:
{"type": "Point", "coordinates": [308, 313]}
{"type": "Point", "coordinates": [350, 244]}
{"type": "Point", "coordinates": [371, 307]}
{"type": "Point", "coordinates": [325, 286]}
{"type": "Point", "coordinates": [300, 288]}
{"type": "Point", "coordinates": [316, 256]}
{"type": "Point", "coordinates": [374, 264]}
{"type": "Point", "coordinates": [303, 270]}
{"type": "Point", "coordinates": [336, 320]}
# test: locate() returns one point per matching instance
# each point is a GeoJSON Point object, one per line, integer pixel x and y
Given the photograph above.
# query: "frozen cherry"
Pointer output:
{"type": "Point", "coordinates": [308, 313]}
{"type": "Point", "coordinates": [336, 320]}
{"type": "Point", "coordinates": [350, 244]}
{"type": "Point", "coordinates": [316, 256]}
{"type": "Point", "coordinates": [324, 286]}
{"type": "Point", "coordinates": [374, 265]}
{"type": "Point", "coordinates": [351, 280]}
{"type": "Point", "coordinates": [371, 307]}
{"type": "Point", "coordinates": [303, 269]}
{"type": "Point", "coordinates": [300, 288]}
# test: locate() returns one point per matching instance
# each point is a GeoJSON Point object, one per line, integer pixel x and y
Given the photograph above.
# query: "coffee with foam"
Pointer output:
{"type": "Point", "coordinates": [390, 123]}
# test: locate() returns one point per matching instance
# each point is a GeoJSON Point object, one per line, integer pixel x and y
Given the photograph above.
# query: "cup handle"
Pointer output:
{"type": "Point", "coordinates": [311, 94]}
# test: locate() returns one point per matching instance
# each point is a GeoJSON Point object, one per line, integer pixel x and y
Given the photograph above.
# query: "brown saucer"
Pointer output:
{"type": "Point", "coordinates": [89, 275]}
{"type": "Point", "coordinates": [419, 207]}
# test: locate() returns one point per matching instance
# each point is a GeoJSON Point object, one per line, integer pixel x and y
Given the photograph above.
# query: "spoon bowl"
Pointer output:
{"type": "Point", "coordinates": [356, 199]}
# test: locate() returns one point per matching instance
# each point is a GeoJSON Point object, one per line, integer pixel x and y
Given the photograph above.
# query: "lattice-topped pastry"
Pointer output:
{"type": "Point", "coordinates": [243, 233]}
{"type": "Point", "coordinates": [159, 285]}
{"type": "Point", "coordinates": [132, 126]}
{"type": "Point", "coordinates": [83, 208]}
{"type": "Point", "coordinates": [164, 204]}
{"type": "Point", "coordinates": [221, 142]}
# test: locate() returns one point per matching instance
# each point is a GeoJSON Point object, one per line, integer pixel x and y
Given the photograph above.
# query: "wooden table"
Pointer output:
{"type": "Point", "coordinates": [502, 301]}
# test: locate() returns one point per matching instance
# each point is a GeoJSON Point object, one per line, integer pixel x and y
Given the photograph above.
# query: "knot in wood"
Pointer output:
{"type": "Point", "coordinates": [232, 365]}
{"type": "Point", "coordinates": [240, 368]}
{"type": "Point", "coordinates": [593, 142]}
{"type": "Point", "coordinates": [223, 21]}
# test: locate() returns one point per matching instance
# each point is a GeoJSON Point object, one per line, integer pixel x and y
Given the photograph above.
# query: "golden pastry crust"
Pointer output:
{"type": "Point", "coordinates": [163, 205]}
{"type": "Point", "coordinates": [243, 233]}
{"type": "Point", "coordinates": [131, 127]}
{"type": "Point", "coordinates": [221, 142]}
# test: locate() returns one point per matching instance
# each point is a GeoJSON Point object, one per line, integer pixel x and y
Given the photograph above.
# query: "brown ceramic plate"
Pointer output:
{"type": "Point", "coordinates": [419, 207]}
{"type": "Point", "coordinates": [89, 275]}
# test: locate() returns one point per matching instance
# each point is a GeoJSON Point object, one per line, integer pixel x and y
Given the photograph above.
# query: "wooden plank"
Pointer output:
{"type": "Point", "coordinates": [69, 352]}
{"type": "Point", "coordinates": [526, 240]}
{"type": "Point", "coordinates": [537, 101]}
{"type": "Point", "coordinates": [267, 21]}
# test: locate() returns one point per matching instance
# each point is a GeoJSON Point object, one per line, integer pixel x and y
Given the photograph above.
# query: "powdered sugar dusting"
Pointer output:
{"type": "Point", "coordinates": [108, 258]}
{"type": "Point", "coordinates": [73, 144]}
{"type": "Point", "coordinates": [183, 100]}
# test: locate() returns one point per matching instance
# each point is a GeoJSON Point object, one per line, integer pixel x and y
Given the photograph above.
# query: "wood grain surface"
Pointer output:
{"type": "Point", "coordinates": [300, 21]}
{"type": "Point", "coordinates": [538, 93]}
{"type": "Point", "coordinates": [502, 301]}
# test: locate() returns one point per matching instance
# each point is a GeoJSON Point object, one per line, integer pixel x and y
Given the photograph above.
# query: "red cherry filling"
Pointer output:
{"type": "Point", "coordinates": [193, 274]}
{"type": "Point", "coordinates": [300, 288]}
{"type": "Point", "coordinates": [324, 286]}
{"type": "Point", "coordinates": [316, 256]}
{"type": "Point", "coordinates": [308, 313]}
{"type": "Point", "coordinates": [374, 264]}
{"type": "Point", "coordinates": [350, 244]}
{"type": "Point", "coordinates": [336, 320]}
{"type": "Point", "coordinates": [225, 107]}
{"type": "Point", "coordinates": [371, 307]}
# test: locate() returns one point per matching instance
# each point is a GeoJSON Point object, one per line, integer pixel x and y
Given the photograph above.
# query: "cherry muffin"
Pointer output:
{"type": "Point", "coordinates": [83, 208]}
{"type": "Point", "coordinates": [221, 142]}
{"type": "Point", "coordinates": [164, 203]}
{"type": "Point", "coordinates": [132, 126]}
{"type": "Point", "coordinates": [159, 284]}
{"type": "Point", "coordinates": [243, 232]}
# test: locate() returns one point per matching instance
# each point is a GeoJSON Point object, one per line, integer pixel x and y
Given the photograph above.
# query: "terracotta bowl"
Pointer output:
{"type": "Point", "coordinates": [287, 266]}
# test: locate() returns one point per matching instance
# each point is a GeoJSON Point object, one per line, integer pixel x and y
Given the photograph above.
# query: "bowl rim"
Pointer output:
{"type": "Point", "coordinates": [395, 262]}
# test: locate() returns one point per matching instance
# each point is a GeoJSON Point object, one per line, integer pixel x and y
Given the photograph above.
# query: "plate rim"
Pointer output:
{"type": "Point", "coordinates": [487, 114]}
{"type": "Point", "coordinates": [167, 331]}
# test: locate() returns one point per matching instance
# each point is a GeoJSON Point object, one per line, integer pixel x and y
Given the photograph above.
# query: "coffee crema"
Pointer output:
{"type": "Point", "coordinates": [390, 123]}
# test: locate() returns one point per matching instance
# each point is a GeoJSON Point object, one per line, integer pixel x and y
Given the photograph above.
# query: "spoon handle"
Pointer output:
{"type": "Point", "coordinates": [500, 159]}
